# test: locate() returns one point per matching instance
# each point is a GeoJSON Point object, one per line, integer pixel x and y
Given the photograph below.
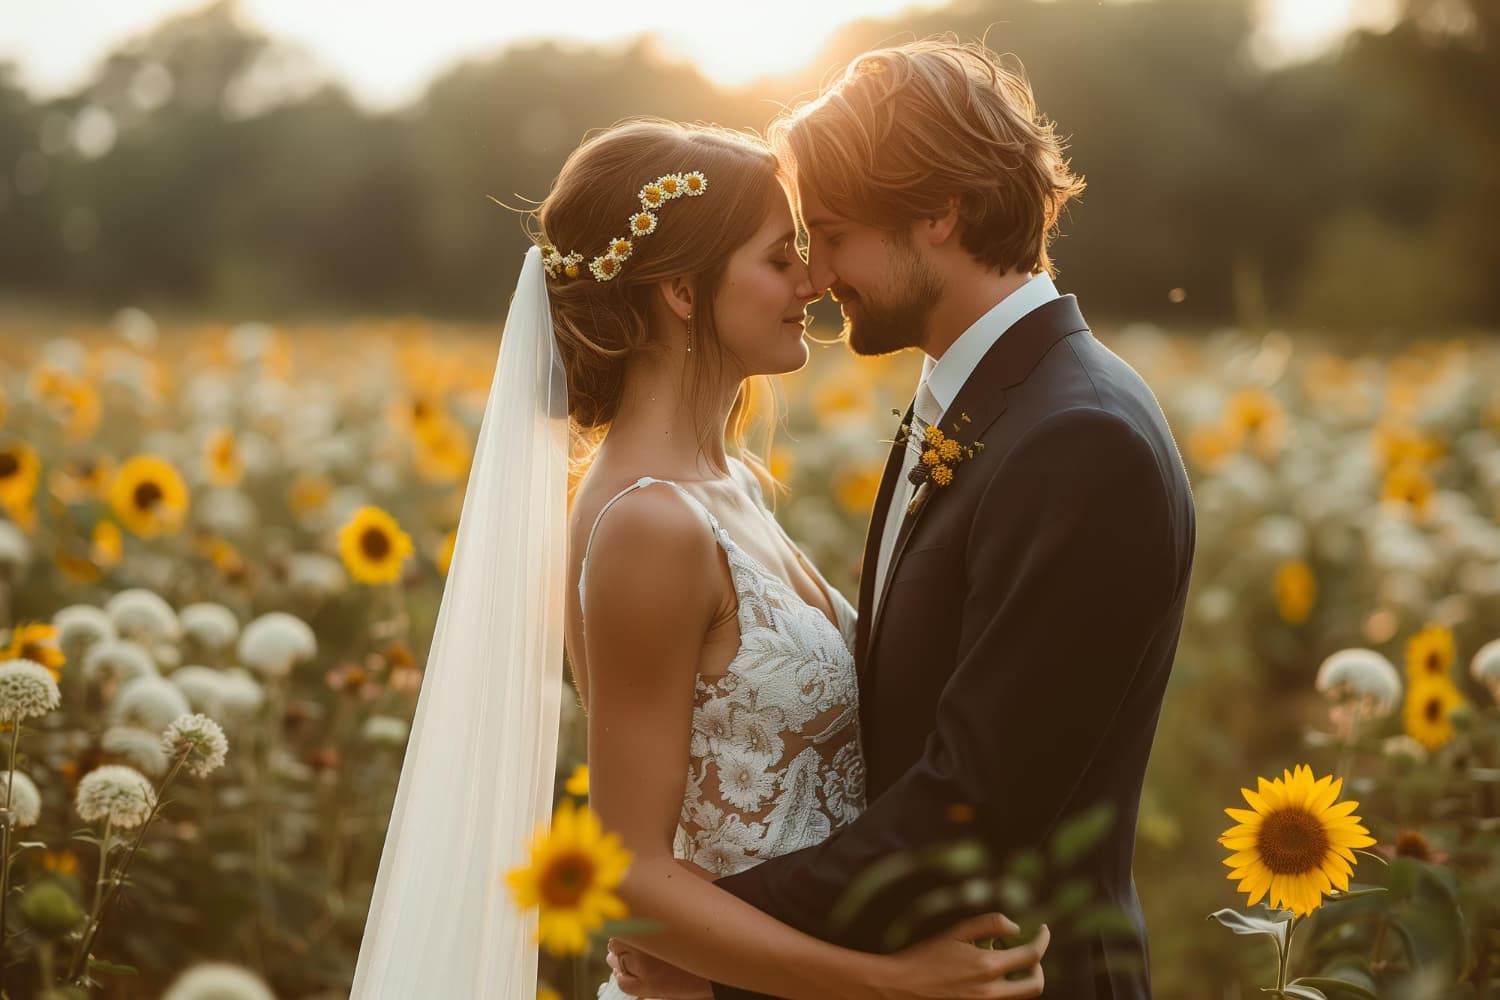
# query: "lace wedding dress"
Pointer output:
{"type": "Point", "coordinates": [776, 762]}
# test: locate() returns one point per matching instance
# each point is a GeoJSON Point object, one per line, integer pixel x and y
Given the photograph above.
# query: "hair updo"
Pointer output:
{"type": "Point", "coordinates": [601, 325]}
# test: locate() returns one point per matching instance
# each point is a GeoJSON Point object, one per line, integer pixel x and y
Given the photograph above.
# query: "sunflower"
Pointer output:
{"type": "Point", "coordinates": [445, 552]}
{"type": "Point", "coordinates": [36, 641]}
{"type": "Point", "coordinates": [578, 781]}
{"type": "Point", "coordinates": [107, 544]}
{"type": "Point", "coordinates": [1254, 417]}
{"type": "Point", "coordinates": [221, 457]}
{"type": "Point", "coordinates": [1408, 484]}
{"type": "Point", "coordinates": [373, 546]}
{"type": "Point", "coordinates": [19, 470]}
{"type": "Point", "coordinates": [149, 497]}
{"type": "Point", "coordinates": [308, 492]}
{"type": "Point", "coordinates": [81, 479]}
{"type": "Point", "coordinates": [1298, 842]}
{"type": "Point", "coordinates": [1296, 590]}
{"type": "Point", "coordinates": [1429, 711]}
{"type": "Point", "coordinates": [570, 877]}
{"type": "Point", "coordinates": [855, 489]}
{"type": "Point", "coordinates": [1429, 654]}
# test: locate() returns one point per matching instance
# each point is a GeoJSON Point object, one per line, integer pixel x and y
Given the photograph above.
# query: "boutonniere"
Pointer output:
{"type": "Point", "coordinates": [940, 458]}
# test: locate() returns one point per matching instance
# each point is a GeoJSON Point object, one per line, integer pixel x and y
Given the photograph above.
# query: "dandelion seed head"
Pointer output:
{"type": "Point", "coordinates": [123, 659]}
{"type": "Point", "coordinates": [276, 642]}
{"type": "Point", "coordinates": [210, 625]}
{"type": "Point", "coordinates": [27, 690]}
{"type": "Point", "coordinates": [25, 800]}
{"type": "Point", "coordinates": [218, 981]}
{"type": "Point", "coordinates": [143, 614]}
{"type": "Point", "coordinates": [149, 703]}
{"type": "Point", "coordinates": [201, 739]}
{"type": "Point", "coordinates": [116, 793]}
{"type": "Point", "coordinates": [1360, 674]}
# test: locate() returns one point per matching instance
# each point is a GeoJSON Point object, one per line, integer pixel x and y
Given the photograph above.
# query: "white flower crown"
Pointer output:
{"type": "Point", "coordinates": [643, 223]}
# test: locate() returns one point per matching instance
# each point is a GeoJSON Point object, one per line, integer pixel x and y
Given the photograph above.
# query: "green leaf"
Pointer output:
{"type": "Point", "coordinates": [103, 966]}
{"type": "Point", "coordinates": [1241, 923]}
{"type": "Point", "coordinates": [1080, 834]}
{"type": "Point", "coordinates": [1304, 993]}
{"type": "Point", "coordinates": [1379, 858]}
{"type": "Point", "coordinates": [1329, 983]}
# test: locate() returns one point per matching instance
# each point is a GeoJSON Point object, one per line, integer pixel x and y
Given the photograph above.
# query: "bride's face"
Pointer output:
{"type": "Point", "coordinates": [760, 304]}
{"type": "Point", "coordinates": [883, 285]}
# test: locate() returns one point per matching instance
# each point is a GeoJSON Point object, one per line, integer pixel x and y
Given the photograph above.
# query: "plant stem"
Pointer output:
{"type": "Point", "coordinates": [1286, 954]}
{"type": "Point", "coordinates": [10, 778]}
{"type": "Point", "coordinates": [79, 964]}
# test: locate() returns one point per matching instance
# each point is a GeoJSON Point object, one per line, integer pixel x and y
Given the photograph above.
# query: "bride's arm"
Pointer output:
{"type": "Point", "coordinates": [653, 588]}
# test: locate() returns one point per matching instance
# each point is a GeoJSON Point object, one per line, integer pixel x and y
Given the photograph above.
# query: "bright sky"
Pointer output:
{"type": "Point", "coordinates": [388, 49]}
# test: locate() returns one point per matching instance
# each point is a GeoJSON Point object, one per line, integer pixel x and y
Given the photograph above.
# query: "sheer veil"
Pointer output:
{"type": "Point", "coordinates": [478, 773]}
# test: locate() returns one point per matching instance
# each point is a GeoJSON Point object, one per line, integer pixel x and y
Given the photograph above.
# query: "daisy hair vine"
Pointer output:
{"type": "Point", "coordinates": [939, 458]}
{"type": "Point", "coordinates": [606, 266]}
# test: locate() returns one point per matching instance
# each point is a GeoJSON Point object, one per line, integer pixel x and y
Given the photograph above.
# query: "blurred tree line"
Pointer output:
{"type": "Point", "coordinates": [207, 167]}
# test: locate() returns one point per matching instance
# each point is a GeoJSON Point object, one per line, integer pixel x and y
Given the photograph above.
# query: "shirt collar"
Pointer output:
{"type": "Point", "coordinates": [947, 375]}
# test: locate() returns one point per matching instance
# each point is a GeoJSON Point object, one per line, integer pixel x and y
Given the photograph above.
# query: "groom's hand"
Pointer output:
{"type": "Point", "coordinates": [643, 975]}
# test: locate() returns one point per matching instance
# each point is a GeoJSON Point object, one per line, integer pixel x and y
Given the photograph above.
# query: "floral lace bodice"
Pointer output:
{"type": "Point", "coordinates": [776, 763]}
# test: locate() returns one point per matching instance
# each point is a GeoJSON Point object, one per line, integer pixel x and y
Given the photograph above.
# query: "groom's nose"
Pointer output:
{"type": "Point", "coordinates": [822, 276]}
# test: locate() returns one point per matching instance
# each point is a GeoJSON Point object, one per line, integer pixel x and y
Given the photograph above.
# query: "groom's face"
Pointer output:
{"type": "Point", "coordinates": [882, 283]}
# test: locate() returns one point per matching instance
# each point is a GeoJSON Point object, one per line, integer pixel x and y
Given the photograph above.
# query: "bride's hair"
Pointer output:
{"type": "Point", "coordinates": [601, 325]}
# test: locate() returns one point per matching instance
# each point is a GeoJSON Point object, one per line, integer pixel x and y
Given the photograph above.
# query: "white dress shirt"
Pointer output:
{"type": "Point", "coordinates": [944, 378]}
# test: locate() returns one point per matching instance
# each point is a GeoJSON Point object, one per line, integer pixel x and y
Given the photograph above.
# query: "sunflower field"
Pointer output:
{"type": "Point", "coordinates": [222, 550]}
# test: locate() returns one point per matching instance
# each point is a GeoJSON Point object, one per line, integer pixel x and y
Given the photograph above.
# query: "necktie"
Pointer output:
{"type": "Point", "coordinates": [926, 411]}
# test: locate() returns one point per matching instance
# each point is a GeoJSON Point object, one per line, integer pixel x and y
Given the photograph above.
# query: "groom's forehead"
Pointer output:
{"type": "Point", "coordinates": [811, 210]}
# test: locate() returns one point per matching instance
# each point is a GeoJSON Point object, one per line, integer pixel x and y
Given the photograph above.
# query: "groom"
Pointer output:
{"type": "Point", "coordinates": [1018, 614]}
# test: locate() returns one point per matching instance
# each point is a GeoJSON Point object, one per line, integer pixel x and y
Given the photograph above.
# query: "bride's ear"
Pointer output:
{"type": "Point", "coordinates": [677, 294]}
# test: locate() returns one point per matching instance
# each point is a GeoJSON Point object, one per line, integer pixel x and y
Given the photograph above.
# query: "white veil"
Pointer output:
{"type": "Point", "coordinates": [478, 774]}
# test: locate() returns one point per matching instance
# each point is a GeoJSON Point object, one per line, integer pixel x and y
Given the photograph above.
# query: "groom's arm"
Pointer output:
{"type": "Point", "coordinates": [1070, 572]}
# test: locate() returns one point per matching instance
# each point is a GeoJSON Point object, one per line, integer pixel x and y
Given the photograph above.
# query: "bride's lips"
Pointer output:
{"type": "Point", "coordinates": [799, 320]}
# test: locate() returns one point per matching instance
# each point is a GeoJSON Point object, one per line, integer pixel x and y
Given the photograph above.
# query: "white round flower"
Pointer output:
{"type": "Point", "coordinates": [166, 655]}
{"type": "Point", "coordinates": [242, 694]}
{"type": "Point", "coordinates": [314, 576]}
{"type": "Point", "coordinates": [203, 686]}
{"type": "Point", "coordinates": [226, 512]}
{"type": "Point", "coordinates": [140, 748]}
{"type": "Point", "coordinates": [15, 550]}
{"type": "Point", "coordinates": [1280, 537]}
{"type": "Point", "coordinates": [25, 800]}
{"type": "Point", "coordinates": [143, 614]}
{"type": "Point", "coordinates": [124, 659]}
{"type": "Point", "coordinates": [275, 642]}
{"type": "Point", "coordinates": [117, 793]}
{"type": "Point", "coordinates": [218, 981]}
{"type": "Point", "coordinates": [385, 730]}
{"type": "Point", "coordinates": [150, 703]}
{"type": "Point", "coordinates": [210, 625]}
{"type": "Point", "coordinates": [27, 690]}
{"type": "Point", "coordinates": [1360, 675]}
{"type": "Point", "coordinates": [201, 739]}
{"type": "Point", "coordinates": [1402, 745]}
{"type": "Point", "coordinates": [80, 626]}
{"type": "Point", "coordinates": [1486, 666]}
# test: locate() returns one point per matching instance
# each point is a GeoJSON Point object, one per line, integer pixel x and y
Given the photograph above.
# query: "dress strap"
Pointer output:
{"type": "Point", "coordinates": [643, 481]}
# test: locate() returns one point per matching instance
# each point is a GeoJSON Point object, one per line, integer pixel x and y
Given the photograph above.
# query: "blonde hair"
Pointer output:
{"type": "Point", "coordinates": [601, 325]}
{"type": "Point", "coordinates": [905, 129]}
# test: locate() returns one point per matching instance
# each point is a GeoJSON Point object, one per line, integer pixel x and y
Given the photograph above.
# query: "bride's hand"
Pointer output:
{"type": "Point", "coordinates": [949, 964]}
{"type": "Point", "coordinates": [643, 975]}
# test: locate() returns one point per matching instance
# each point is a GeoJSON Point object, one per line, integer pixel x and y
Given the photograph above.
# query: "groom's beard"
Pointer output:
{"type": "Point", "coordinates": [882, 326]}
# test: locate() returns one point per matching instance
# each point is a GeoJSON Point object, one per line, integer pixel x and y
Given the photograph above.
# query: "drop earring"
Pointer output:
{"type": "Point", "coordinates": [690, 333]}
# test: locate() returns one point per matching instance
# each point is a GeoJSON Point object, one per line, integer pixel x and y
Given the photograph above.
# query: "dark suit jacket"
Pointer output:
{"type": "Point", "coordinates": [1018, 663]}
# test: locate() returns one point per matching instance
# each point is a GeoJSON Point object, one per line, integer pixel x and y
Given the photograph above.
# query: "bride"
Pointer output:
{"type": "Point", "coordinates": [712, 659]}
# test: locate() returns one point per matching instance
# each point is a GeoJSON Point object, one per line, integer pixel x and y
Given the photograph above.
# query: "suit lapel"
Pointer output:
{"type": "Point", "coordinates": [983, 399]}
{"type": "Point", "coordinates": [872, 546]}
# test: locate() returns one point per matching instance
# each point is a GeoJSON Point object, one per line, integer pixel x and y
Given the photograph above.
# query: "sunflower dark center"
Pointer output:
{"type": "Point", "coordinates": [32, 651]}
{"type": "Point", "coordinates": [147, 495]}
{"type": "Point", "coordinates": [1411, 844]}
{"type": "Point", "coordinates": [9, 464]}
{"type": "Point", "coordinates": [566, 880]}
{"type": "Point", "coordinates": [1292, 842]}
{"type": "Point", "coordinates": [374, 543]}
{"type": "Point", "coordinates": [1433, 709]}
{"type": "Point", "coordinates": [1434, 663]}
